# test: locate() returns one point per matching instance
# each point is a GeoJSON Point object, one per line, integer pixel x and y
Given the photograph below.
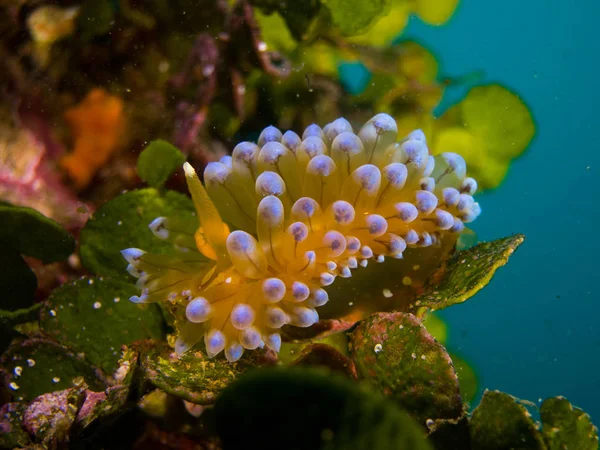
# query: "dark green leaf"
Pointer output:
{"type": "Point", "coordinates": [467, 272]}
{"type": "Point", "coordinates": [322, 411]}
{"type": "Point", "coordinates": [193, 376]}
{"type": "Point", "coordinates": [17, 280]}
{"type": "Point", "coordinates": [300, 16]}
{"type": "Point", "coordinates": [158, 161]}
{"type": "Point", "coordinates": [12, 318]}
{"type": "Point", "coordinates": [32, 234]}
{"type": "Point", "coordinates": [567, 427]}
{"type": "Point", "coordinates": [9, 319]}
{"type": "Point", "coordinates": [500, 423]}
{"type": "Point", "coordinates": [38, 366]}
{"type": "Point", "coordinates": [95, 318]}
{"type": "Point", "coordinates": [396, 355]}
{"type": "Point", "coordinates": [353, 17]}
{"type": "Point", "coordinates": [123, 222]}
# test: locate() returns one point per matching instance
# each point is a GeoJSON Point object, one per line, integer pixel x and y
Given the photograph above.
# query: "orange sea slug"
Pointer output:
{"type": "Point", "coordinates": [97, 125]}
{"type": "Point", "coordinates": [281, 219]}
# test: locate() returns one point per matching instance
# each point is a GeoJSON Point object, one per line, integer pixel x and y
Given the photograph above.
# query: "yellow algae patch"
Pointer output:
{"type": "Point", "coordinates": [381, 34]}
{"type": "Point", "coordinates": [435, 12]}
{"type": "Point", "coordinates": [489, 128]}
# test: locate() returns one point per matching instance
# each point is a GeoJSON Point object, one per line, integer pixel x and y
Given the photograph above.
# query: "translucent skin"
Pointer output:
{"type": "Point", "coordinates": [303, 212]}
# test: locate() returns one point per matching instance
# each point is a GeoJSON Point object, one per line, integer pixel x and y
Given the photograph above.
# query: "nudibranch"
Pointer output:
{"type": "Point", "coordinates": [280, 219]}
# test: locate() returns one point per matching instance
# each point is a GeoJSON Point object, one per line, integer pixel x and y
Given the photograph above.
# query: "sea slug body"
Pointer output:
{"type": "Point", "coordinates": [281, 219]}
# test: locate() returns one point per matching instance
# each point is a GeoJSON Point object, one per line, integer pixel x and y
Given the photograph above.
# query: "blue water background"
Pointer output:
{"type": "Point", "coordinates": [534, 330]}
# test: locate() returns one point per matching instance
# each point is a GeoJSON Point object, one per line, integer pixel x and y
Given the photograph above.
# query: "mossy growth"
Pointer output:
{"type": "Point", "coordinates": [326, 411]}
{"type": "Point", "coordinates": [396, 355]}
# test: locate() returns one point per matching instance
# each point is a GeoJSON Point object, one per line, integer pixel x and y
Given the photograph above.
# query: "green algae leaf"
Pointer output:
{"type": "Point", "coordinates": [94, 317]}
{"type": "Point", "coordinates": [467, 272]}
{"type": "Point", "coordinates": [158, 161]}
{"type": "Point", "coordinates": [287, 21]}
{"type": "Point", "coordinates": [384, 30]}
{"type": "Point", "coordinates": [382, 33]}
{"type": "Point", "coordinates": [395, 354]}
{"type": "Point", "coordinates": [490, 127]}
{"type": "Point", "coordinates": [193, 376]}
{"type": "Point", "coordinates": [500, 118]}
{"type": "Point", "coordinates": [567, 427]}
{"type": "Point", "coordinates": [19, 316]}
{"type": "Point", "coordinates": [500, 422]}
{"type": "Point", "coordinates": [30, 233]}
{"type": "Point", "coordinates": [123, 223]}
{"type": "Point", "coordinates": [467, 377]}
{"type": "Point", "coordinates": [323, 411]}
{"type": "Point", "coordinates": [435, 12]}
{"type": "Point", "coordinates": [488, 170]}
{"type": "Point", "coordinates": [38, 366]}
{"type": "Point", "coordinates": [354, 16]}
{"type": "Point", "coordinates": [437, 327]}
{"type": "Point", "coordinates": [13, 434]}
{"type": "Point", "coordinates": [302, 18]}
{"type": "Point", "coordinates": [18, 281]}
{"type": "Point", "coordinates": [319, 58]}
{"type": "Point", "coordinates": [10, 319]}
{"type": "Point", "coordinates": [274, 31]}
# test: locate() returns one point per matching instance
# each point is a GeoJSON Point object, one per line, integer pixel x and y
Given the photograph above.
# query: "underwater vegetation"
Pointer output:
{"type": "Point", "coordinates": [211, 237]}
{"type": "Point", "coordinates": [87, 360]}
